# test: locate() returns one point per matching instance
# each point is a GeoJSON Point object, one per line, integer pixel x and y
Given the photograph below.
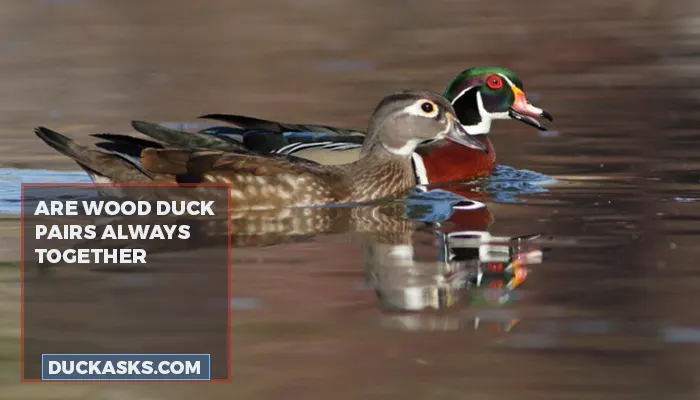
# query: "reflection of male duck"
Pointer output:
{"type": "Point", "coordinates": [491, 272]}
{"type": "Point", "coordinates": [469, 264]}
{"type": "Point", "coordinates": [472, 264]}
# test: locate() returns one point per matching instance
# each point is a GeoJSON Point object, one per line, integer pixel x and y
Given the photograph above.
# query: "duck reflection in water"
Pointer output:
{"type": "Point", "coordinates": [431, 251]}
{"type": "Point", "coordinates": [468, 266]}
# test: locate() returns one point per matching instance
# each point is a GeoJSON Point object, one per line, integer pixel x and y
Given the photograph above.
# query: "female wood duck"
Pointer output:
{"type": "Point", "coordinates": [260, 181]}
{"type": "Point", "coordinates": [479, 96]}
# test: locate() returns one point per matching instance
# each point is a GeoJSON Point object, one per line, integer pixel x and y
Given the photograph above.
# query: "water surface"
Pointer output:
{"type": "Point", "coordinates": [606, 313]}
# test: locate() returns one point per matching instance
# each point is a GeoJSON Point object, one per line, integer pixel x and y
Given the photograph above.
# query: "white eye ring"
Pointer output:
{"type": "Point", "coordinates": [424, 108]}
{"type": "Point", "coordinates": [428, 107]}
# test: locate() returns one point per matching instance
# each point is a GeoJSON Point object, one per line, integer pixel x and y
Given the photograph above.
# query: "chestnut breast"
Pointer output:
{"type": "Point", "coordinates": [450, 162]}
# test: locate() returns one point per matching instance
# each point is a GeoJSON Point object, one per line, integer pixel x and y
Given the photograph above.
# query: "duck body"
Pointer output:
{"type": "Point", "coordinates": [265, 181]}
{"type": "Point", "coordinates": [479, 96]}
{"type": "Point", "coordinates": [434, 163]}
{"type": "Point", "coordinates": [256, 183]}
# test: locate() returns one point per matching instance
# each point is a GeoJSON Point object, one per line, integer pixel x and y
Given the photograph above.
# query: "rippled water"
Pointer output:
{"type": "Point", "coordinates": [504, 185]}
{"type": "Point", "coordinates": [601, 306]}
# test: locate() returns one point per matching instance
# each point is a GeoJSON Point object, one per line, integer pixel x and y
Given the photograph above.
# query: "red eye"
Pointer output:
{"type": "Point", "coordinates": [495, 82]}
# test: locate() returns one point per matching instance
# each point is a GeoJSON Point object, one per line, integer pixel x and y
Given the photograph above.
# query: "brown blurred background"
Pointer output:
{"type": "Point", "coordinates": [619, 77]}
{"type": "Point", "coordinates": [592, 64]}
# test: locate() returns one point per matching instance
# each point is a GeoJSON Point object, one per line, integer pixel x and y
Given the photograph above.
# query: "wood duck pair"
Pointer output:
{"type": "Point", "coordinates": [479, 96]}
{"type": "Point", "coordinates": [266, 181]}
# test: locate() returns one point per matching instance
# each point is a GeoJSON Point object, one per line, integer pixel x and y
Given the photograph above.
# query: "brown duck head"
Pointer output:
{"type": "Point", "coordinates": [405, 119]}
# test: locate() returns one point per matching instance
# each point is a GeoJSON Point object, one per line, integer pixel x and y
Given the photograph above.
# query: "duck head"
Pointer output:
{"type": "Point", "coordinates": [483, 94]}
{"type": "Point", "coordinates": [408, 118]}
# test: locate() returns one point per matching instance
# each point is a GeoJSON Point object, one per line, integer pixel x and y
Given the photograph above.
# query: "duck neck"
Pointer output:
{"type": "Point", "coordinates": [380, 174]}
{"type": "Point", "coordinates": [470, 110]}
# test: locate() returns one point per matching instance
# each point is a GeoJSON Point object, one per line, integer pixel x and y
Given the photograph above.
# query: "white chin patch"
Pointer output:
{"type": "Point", "coordinates": [405, 150]}
{"type": "Point", "coordinates": [476, 130]}
{"type": "Point", "coordinates": [501, 115]}
{"type": "Point", "coordinates": [484, 127]}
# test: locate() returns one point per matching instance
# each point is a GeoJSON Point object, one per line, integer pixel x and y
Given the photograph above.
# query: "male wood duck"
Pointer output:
{"type": "Point", "coordinates": [261, 181]}
{"type": "Point", "coordinates": [479, 95]}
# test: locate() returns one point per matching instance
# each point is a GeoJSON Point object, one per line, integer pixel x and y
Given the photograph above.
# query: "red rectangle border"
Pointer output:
{"type": "Point", "coordinates": [159, 184]}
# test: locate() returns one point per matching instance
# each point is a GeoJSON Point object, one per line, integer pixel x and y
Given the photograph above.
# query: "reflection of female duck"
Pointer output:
{"type": "Point", "coordinates": [411, 265]}
{"type": "Point", "coordinates": [391, 223]}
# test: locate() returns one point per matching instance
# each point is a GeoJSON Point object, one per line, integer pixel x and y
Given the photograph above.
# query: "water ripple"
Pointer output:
{"type": "Point", "coordinates": [11, 180]}
{"type": "Point", "coordinates": [504, 185]}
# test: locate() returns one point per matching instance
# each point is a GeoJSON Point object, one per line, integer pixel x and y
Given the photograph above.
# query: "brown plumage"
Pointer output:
{"type": "Point", "coordinates": [399, 123]}
{"type": "Point", "coordinates": [262, 184]}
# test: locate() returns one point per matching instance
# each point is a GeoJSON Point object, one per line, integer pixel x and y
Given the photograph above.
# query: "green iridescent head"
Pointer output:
{"type": "Point", "coordinates": [480, 95]}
